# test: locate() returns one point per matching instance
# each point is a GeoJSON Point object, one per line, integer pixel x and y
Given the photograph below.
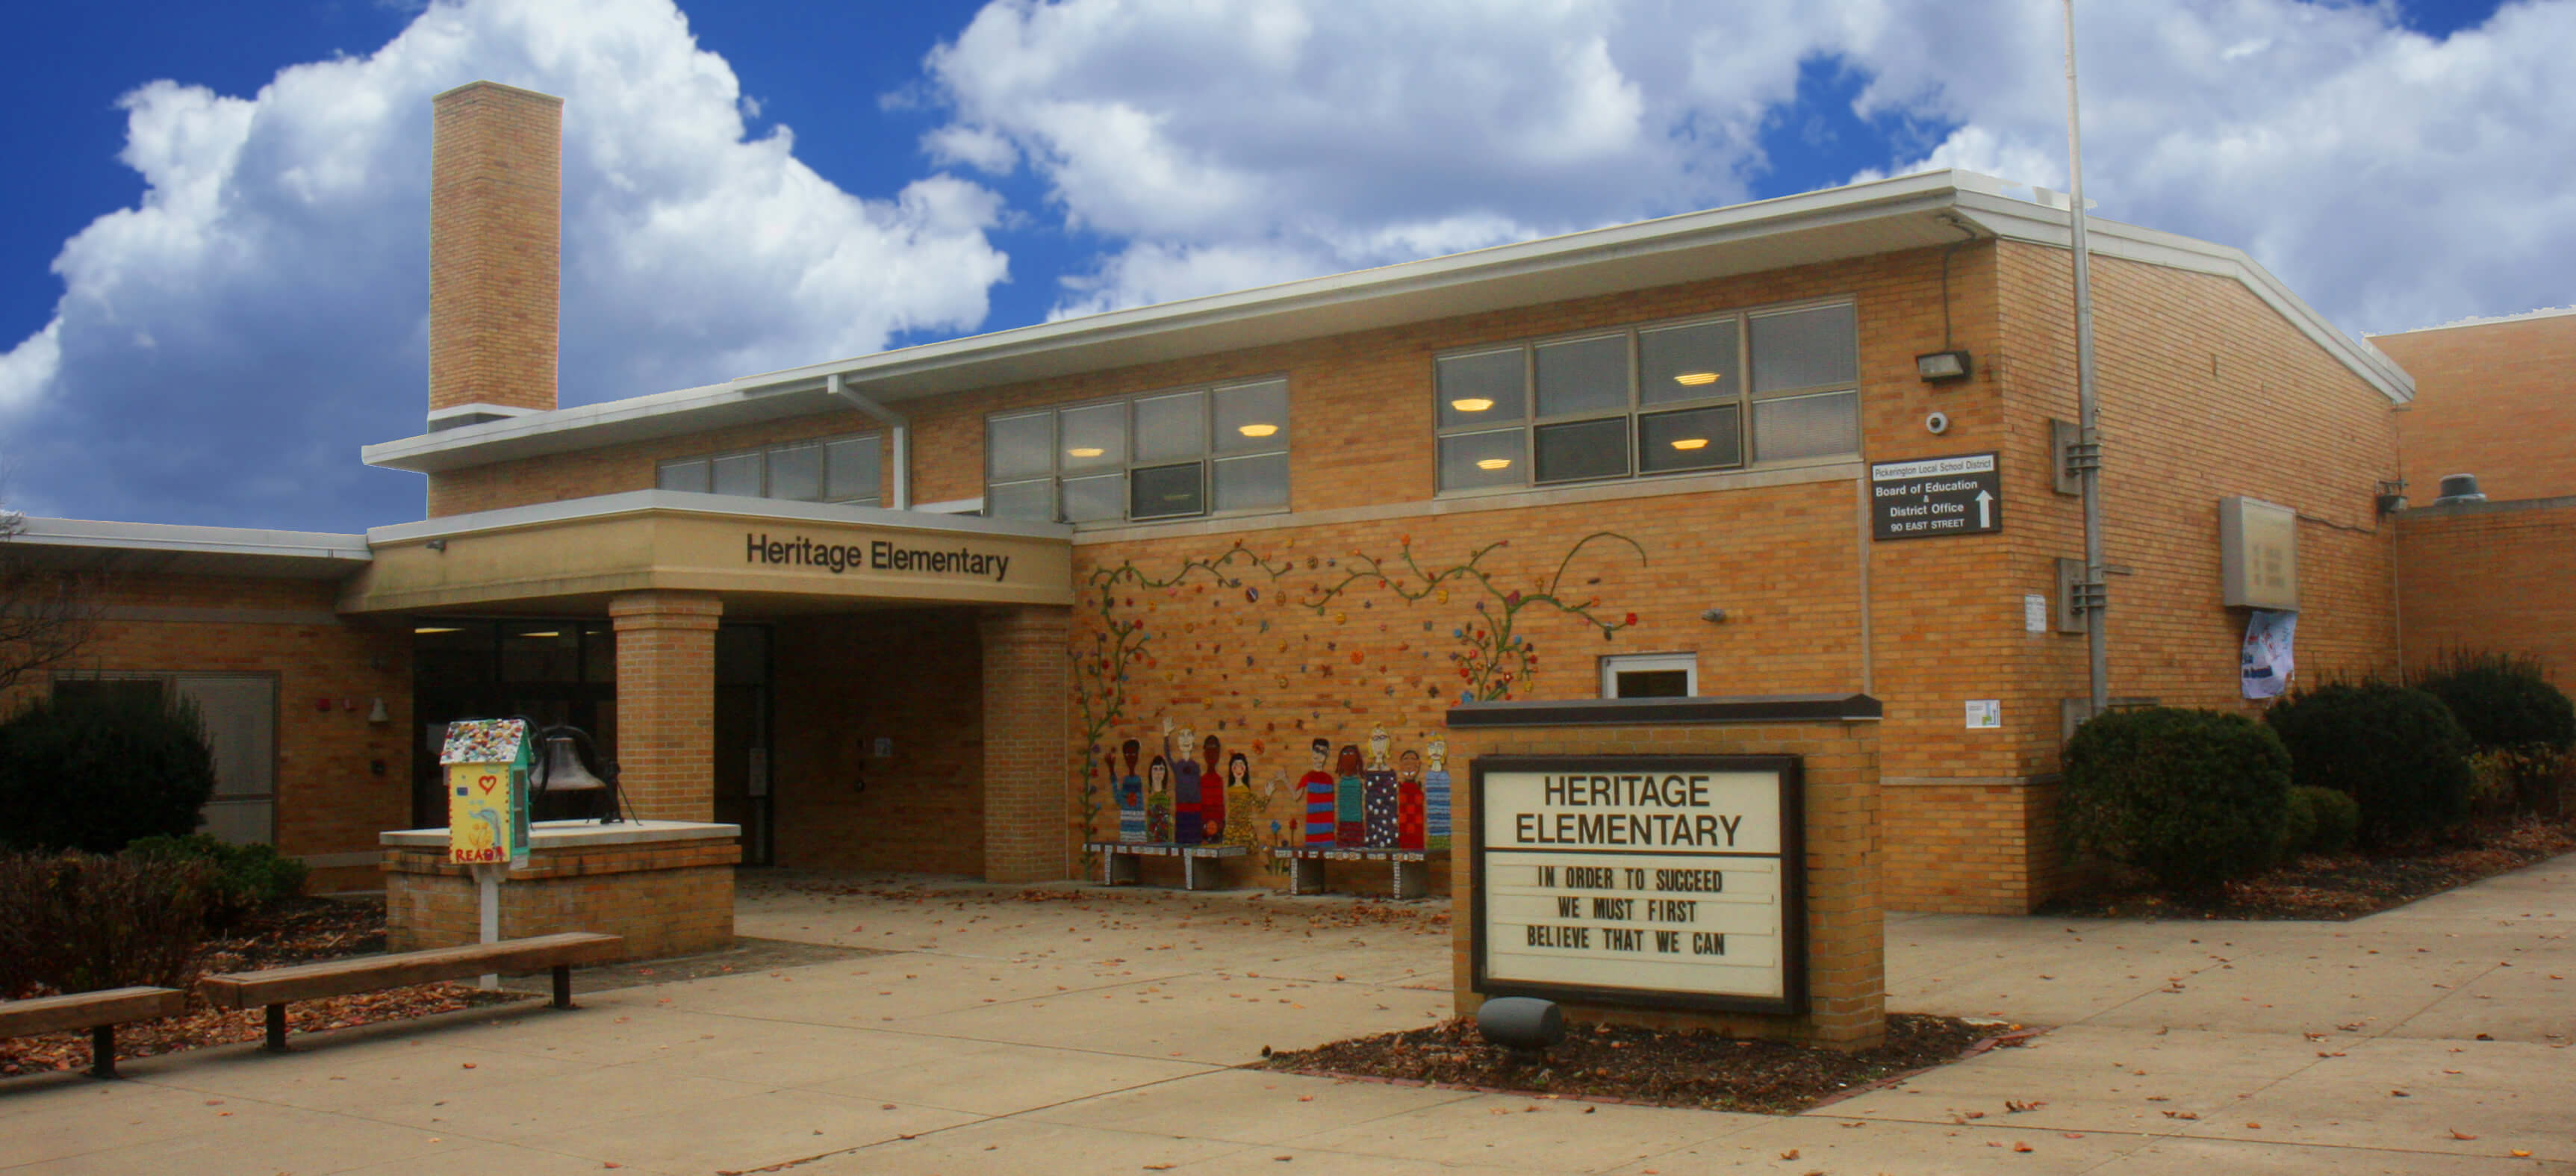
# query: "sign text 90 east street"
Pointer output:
{"type": "Point", "coordinates": [1935, 496]}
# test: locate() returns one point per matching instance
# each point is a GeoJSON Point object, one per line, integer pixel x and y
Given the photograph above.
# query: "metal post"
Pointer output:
{"type": "Point", "coordinates": [276, 1028]}
{"type": "Point", "coordinates": [2095, 590]}
{"type": "Point", "coordinates": [487, 888]}
{"type": "Point", "coordinates": [102, 1051]}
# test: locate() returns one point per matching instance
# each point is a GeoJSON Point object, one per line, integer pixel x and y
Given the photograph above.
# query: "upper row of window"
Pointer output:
{"type": "Point", "coordinates": [830, 469]}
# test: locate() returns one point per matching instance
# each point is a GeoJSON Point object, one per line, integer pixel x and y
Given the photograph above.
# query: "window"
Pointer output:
{"type": "Point", "coordinates": [1650, 675]}
{"type": "Point", "coordinates": [1641, 401]}
{"type": "Point", "coordinates": [1178, 454]}
{"type": "Point", "coordinates": [833, 469]}
{"type": "Point", "coordinates": [240, 716]}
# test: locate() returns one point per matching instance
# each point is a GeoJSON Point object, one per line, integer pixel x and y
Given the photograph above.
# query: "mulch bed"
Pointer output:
{"type": "Point", "coordinates": [1610, 1063]}
{"type": "Point", "coordinates": [2339, 887]}
{"type": "Point", "coordinates": [299, 932]}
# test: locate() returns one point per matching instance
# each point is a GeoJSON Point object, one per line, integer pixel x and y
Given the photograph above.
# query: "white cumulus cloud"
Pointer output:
{"type": "Point", "coordinates": [222, 348]}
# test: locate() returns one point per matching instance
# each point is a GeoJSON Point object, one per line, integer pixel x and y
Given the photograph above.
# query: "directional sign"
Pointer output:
{"type": "Point", "coordinates": [1935, 496]}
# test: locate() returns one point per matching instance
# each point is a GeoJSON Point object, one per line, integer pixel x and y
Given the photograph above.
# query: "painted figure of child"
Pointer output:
{"type": "Point", "coordinates": [1378, 794]}
{"type": "Point", "coordinates": [1131, 796]}
{"type": "Point", "coordinates": [1350, 800]}
{"type": "Point", "coordinates": [1158, 800]}
{"type": "Point", "coordinates": [1435, 798]}
{"type": "Point", "coordinates": [1317, 784]}
{"type": "Point", "coordinates": [1409, 815]}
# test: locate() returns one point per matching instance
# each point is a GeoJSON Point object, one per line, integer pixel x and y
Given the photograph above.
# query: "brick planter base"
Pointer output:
{"type": "Point", "coordinates": [666, 886]}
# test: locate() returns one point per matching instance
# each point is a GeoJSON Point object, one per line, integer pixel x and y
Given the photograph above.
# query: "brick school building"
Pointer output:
{"type": "Point", "coordinates": [932, 609]}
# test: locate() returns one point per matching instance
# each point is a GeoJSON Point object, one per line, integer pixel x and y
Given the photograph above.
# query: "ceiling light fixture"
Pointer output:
{"type": "Point", "coordinates": [547, 633]}
{"type": "Point", "coordinates": [1257, 430]}
{"type": "Point", "coordinates": [434, 628]}
{"type": "Point", "coordinates": [1690, 443]}
{"type": "Point", "coordinates": [1695, 379]}
{"type": "Point", "coordinates": [1471, 404]}
{"type": "Point", "coordinates": [1495, 463]}
{"type": "Point", "coordinates": [1084, 452]}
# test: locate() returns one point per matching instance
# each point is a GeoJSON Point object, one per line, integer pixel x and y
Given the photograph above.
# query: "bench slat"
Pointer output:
{"type": "Point", "coordinates": [242, 990]}
{"type": "Point", "coordinates": [83, 1010]}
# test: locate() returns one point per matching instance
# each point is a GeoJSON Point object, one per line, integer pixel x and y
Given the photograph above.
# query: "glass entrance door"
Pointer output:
{"type": "Point", "coordinates": [742, 778]}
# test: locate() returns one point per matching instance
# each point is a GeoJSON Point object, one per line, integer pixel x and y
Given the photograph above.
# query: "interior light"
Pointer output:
{"type": "Point", "coordinates": [547, 633]}
{"type": "Point", "coordinates": [1086, 451]}
{"type": "Point", "coordinates": [1690, 443]}
{"type": "Point", "coordinates": [434, 628]}
{"type": "Point", "coordinates": [1695, 379]}
{"type": "Point", "coordinates": [1257, 430]}
{"type": "Point", "coordinates": [1495, 463]}
{"type": "Point", "coordinates": [1471, 404]}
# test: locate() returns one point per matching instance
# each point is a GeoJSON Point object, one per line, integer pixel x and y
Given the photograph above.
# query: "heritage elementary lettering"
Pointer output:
{"type": "Point", "coordinates": [879, 555]}
{"type": "Point", "coordinates": [1673, 827]}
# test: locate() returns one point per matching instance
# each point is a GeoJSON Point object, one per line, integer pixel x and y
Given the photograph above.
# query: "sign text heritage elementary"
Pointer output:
{"type": "Point", "coordinates": [1647, 880]}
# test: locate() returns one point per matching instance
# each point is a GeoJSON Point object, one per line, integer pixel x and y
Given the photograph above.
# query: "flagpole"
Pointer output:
{"type": "Point", "coordinates": [2088, 455]}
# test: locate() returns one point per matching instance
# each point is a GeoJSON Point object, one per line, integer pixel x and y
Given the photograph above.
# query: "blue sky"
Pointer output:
{"type": "Point", "coordinates": [212, 263]}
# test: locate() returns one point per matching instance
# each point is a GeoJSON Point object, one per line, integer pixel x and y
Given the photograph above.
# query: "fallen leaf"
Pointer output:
{"type": "Point", "coordinates": [2459, 1134]}
{"type": "Point", "coordinates": [1790, 1154]}
{"type": "Point", "coordinates": [2021, 1147]}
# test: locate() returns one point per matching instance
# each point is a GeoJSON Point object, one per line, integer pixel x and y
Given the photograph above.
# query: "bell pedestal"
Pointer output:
{"type": "Point", "coordinates": [666, 886]}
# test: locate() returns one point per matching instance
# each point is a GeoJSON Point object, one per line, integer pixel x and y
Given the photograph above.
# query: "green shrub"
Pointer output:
{"type": "Point", "coordinates": [2298, 823]}
{"type": "Point", "coordinates": [2396, 751]}
{"type": "Point", "coordinates": [77, 922]}
{"type": "Point", "coordinates": [2503, 701]}
{"type": "Point", "coordinates": [2191, 797]}
{"type": "Point", "coordinates": [2337, 817]}
{"type": "Point", "coordinates": [95, 771]}
{"type": "Point", "coordinates": [248, 878]}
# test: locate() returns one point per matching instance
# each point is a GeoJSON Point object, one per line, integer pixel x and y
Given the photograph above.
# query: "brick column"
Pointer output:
{"type": "Point", "coordinates": [1025, 740]}
{"type": "Point", "coordinates": [666, 702]}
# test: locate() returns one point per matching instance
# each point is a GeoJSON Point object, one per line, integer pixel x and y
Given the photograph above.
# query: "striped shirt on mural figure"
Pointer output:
{"type": "Point", "coordinates": [1378, 793]}
{"type": "Point", "coordinates": [1317, 785]}
{"type": "Point", "coordinates": [1131, 797]}
{"type": "Point", "coordinates": [1350, 800]}
{"type": "Point", "coordinates": [1187, 815]}
{"type": "Point", "coordinates": [1435, 797]}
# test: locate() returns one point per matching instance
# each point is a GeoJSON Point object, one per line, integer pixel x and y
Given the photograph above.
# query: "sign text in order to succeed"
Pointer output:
{"type": "Point", "coordinates": [1665, 881]}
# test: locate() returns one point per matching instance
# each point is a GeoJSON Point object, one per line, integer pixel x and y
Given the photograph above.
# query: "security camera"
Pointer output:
{"type": "Point", "coordinates": [1938, 422]}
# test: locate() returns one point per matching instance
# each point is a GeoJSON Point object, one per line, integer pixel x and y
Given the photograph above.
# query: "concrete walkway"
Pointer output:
{"type": "Point", "coordinates": [1003, 1034]}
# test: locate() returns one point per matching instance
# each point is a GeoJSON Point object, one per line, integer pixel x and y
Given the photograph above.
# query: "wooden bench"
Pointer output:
{"type": "Point", "coordinates": [1118, 859]}
{"type": "Point", "coordinates": [1306, 867]}
{"type": "Point", "coordinates": [99, 1012]}
{"type": "Point", "coordinates": [275, 987]}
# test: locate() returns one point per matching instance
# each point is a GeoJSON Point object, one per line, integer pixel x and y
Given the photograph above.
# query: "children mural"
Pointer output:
{"type": "Point", "coordinates": [1295, 648]}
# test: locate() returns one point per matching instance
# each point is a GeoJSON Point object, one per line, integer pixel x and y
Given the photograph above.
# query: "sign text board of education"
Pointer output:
{"type": "Point", "coordinates": [1661, 881]}
{"type": "Point", "coordinates": [1935, 496]}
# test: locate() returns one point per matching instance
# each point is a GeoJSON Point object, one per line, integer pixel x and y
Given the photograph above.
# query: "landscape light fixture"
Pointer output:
{"type": "Point", "coordinates": [1942, 365]}
{"type": "Point", "coordinates": [1525, 1025]}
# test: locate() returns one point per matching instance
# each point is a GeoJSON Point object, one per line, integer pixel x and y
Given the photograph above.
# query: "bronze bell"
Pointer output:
{"type": "Point", "coordinates": [564, 772]}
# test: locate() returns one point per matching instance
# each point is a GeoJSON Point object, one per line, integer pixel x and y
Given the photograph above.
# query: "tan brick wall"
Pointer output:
{"type": "Point", "coordinates": [495, 246]}
{"type": "Point", "coordinates": [914, 676]}
{"type": "Point", "coordinates": [1024, 739]}
{"type": "Point", "coordinates": [2494, 576]}
{"type": "Point", "coordinates": [329, 798]}
{"type": "Point", "coordinates": [2497, 400]}
{"type": "Point", "coordinates": [673, 898]}
{"type": "Point", "coordinates": [1846, 941]}
{"type": "Point", "coordinates": [666, 666]}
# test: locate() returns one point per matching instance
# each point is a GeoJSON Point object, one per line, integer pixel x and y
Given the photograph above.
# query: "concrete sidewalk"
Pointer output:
{"type": "Point", "coordinates": [1005, 1034]}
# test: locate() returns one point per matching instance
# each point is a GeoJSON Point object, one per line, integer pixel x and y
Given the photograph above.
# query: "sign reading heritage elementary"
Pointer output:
{"type": "Point", "coordinates": [1641, 880]}
{"type": "Point", "coordinates": [1935, 496]}
{"type": "Point", "coordinates": [878, 555]}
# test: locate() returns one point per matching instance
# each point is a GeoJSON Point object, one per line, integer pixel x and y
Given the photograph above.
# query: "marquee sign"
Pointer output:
{"type": "Point", "coordinates": [1666, 881]}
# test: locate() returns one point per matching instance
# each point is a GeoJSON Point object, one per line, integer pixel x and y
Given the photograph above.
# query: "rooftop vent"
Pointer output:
{"type": "Point", "coordinates": [2459, 488]}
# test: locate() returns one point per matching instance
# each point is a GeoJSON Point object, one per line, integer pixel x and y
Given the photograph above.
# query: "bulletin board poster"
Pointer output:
{"type": "Point", "coordinates": [1651, 881]}
{"type": "Point", "coordinates": [486, 761]}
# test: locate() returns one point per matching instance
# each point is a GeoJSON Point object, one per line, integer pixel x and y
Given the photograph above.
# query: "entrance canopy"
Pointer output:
{"type": "Point", "coordinates": [762, 556]}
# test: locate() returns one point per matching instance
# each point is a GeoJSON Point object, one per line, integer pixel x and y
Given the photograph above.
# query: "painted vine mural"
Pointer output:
{"type": "Point", "coordinates": [1364, 651]}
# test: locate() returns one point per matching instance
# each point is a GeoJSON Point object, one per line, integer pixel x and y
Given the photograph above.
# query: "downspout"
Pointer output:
{"type": "Point", "coordinates": [902, 426]}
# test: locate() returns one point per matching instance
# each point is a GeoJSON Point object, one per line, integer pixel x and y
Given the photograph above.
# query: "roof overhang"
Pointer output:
{"type": "Point", "coordinates": [166, 549]}
{"type": "Point", "coordinates": [1884, 216]}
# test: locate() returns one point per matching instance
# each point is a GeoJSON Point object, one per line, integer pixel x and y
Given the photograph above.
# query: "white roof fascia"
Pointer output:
{"type": "Point", "coordinates": [2021, 220]}
{"type": "Point", "coordinates": [313, 545]}
{"type": "Point", "coordinates": [767, 510]}
{"type": "Point", "coordinates": [773, 395]}
{"type": "Point", "coordinates": [2546, 312]}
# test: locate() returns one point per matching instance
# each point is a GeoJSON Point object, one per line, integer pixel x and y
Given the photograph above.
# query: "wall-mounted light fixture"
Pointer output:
{"type": "Point", "coordinates": [436, 545]}
{"type": "Point", "coordinates": [1714, 616]}
{"type": "Point", "coordinates": [1939, 366]}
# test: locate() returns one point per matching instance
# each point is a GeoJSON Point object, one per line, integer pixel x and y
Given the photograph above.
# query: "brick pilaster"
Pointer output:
{"type": "Point", "coordinates": [666, 698]}
{"type": "Point", "coordinates": [1025, 692]}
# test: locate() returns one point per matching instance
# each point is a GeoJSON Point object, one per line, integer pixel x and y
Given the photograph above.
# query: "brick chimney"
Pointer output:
{"type": "Point", "coordinates": [495, 252]}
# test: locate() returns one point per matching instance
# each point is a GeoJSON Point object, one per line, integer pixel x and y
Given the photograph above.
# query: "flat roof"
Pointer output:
{"type": "Point", "coordinates": [184, 550]}
{"type": "Point", "coordinates": [1883, 216]}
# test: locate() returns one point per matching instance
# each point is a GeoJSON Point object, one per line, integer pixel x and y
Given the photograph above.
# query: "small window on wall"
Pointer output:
{"type": "Point", "coordinates": [1188, 453]}
{"type": "Point", "coordinates": [1645, 401]}
{"type": "Point", "coordinates": [844, 470]}
{"type": "Point", "coordinates": [1650, 675]}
